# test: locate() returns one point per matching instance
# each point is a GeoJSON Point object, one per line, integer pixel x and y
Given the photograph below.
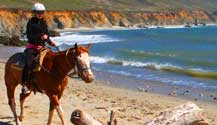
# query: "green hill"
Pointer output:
{"type": "Point", "coordinates": [120, 5]}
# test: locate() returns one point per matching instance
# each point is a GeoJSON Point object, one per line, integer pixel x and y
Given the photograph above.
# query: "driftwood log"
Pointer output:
{"type": "Point", "coordinates": [186, 114]}
{"type": "Point", "coordinates": [80, 117]}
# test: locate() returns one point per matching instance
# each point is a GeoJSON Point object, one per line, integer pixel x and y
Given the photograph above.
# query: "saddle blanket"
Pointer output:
{"type": "Point", "coordinates": [20, 62]}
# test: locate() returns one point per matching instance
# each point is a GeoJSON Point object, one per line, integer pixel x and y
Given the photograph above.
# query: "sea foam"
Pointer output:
{"type": "Point", "coordinates": [70, 39]}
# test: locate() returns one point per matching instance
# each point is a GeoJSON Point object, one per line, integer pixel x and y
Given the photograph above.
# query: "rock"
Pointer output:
{"type": "Point", "coordinates": [12, 40]}
{"type": "Point", "coordinates": [53, 33]}
{"type": "Point", "coordinates": [4, 39]}
{"type": "Point", "coordinates": [188, 25]}
{"type": "Point", "coordinates": [123, 23]}
{"type": "Point", "coordinates": [172, 94]}
{"type": "Point", "coordinates": [185, 92]}
{"type": "Point", "coordinates": [76, 23]}
{"type": "Point", "coordinates": [60, 25]}
{"type": "Point", "coordinates": [15, 41]}
{"type": "Point", "coordinates": [142, 26]}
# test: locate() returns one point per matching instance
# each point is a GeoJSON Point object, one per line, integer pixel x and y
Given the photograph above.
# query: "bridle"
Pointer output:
{"type": "Point", "coordinates": [77, 65]}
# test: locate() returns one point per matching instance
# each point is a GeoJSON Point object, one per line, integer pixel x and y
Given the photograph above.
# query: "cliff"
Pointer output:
{"type": "Point", "coordinates": [14, 21]}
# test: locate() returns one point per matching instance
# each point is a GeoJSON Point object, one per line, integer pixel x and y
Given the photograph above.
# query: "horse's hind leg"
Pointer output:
{"type": "Point", "coordinates": [11, 102]}
{"type": "Point", "coordinates": [51, 113]}
{"type": "Point", "coordinates": [22, 100]}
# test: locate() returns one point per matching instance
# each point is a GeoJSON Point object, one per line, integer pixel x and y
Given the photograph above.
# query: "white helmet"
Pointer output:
{"type": "Point", "coordinates": [38, 7]}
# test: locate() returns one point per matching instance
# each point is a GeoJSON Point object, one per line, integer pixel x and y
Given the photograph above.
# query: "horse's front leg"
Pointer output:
{"type": "Point", "coordinates": [54, 103]}
{"type": "Point", "coordinates": [60, 113]}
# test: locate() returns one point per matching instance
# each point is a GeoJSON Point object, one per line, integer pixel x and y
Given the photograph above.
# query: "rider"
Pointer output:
{"type": "Point", "coordinates": [37, 34]}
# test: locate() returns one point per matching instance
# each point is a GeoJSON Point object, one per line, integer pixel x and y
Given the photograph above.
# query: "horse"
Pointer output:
{"type": "Point", "coordinates": [52, 78]}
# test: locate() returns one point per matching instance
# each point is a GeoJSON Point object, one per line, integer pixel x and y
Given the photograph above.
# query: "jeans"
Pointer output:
{"type": "Point", "coordinates": [30, 62]}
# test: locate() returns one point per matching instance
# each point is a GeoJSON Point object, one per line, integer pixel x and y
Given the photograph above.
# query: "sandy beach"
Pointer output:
{"type": "Point", "coordinates": [131, 108]}
{"type": "Point", "coordinates": [153, 62]}
{"type": "Point", "coordinates": [115, 28]}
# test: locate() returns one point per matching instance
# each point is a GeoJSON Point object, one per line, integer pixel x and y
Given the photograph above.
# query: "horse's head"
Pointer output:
{"type": "Point", "coordinates": [82, 63]}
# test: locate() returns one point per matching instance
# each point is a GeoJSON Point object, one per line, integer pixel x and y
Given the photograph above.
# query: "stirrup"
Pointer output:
{"type": "Point", "coordinates": [36, 69]}
{"type": "Point", "coordinates": [25, 90]}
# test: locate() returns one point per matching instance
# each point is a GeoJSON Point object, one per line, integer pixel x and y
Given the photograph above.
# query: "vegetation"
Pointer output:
{"type": "Point", "coordinates": [119, 5]}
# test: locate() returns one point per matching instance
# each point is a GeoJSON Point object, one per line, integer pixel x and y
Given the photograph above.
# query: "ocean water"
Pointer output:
{"type": "Point", "coordinates": [176, 56]}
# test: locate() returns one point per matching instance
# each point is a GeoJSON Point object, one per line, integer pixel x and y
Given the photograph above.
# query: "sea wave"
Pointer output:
{"type": "Point", "coordinates": [192, 72]}
{"type": "Point", "coordinates": [137, 53]}
{"type": "Point", "coordinates": [196, 72]}
{"type": "Point", "coordinates": [172, 56]}
{"type": "Point", "coordinates": [71, 39]}
{"type": "Point", "coordinates": [109, 60]}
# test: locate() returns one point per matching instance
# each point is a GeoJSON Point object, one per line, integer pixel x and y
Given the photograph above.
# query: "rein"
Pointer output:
{"type": "Point", "coordinates": [75, 60]}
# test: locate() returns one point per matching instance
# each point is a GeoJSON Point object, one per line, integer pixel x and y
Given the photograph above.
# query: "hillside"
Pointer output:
{"type": "Point", "coordinates": [14, 21]}
{"type": "Point", "coordinates": [117, 5]}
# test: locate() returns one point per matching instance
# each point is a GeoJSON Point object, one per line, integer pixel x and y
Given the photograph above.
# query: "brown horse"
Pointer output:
{"type": "Point", "coordinates": [51, 79]}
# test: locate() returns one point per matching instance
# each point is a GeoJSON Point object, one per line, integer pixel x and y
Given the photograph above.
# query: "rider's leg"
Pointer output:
{"type": "Point", "coordinates": [27, 72]}
{"type": "Point", "coordinates": [25, 90]}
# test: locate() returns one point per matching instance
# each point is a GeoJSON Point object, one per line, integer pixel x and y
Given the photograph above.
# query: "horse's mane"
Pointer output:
{"type": "Point", "coordinates": [80, 50]}
{"type": "Point", "coordinates": [50, 52]}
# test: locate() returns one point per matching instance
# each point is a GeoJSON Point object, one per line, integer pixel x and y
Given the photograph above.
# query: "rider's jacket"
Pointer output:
{"type": "Point", "coordinates": [35, 29]}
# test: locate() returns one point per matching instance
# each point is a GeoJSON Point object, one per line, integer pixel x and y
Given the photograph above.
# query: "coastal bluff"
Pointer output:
{"type": "Point", "coordinates": [13, 21]}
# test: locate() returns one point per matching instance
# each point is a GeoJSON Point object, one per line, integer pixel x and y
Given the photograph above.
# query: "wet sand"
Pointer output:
{"type": "Point", "coordinates": [135, 84]}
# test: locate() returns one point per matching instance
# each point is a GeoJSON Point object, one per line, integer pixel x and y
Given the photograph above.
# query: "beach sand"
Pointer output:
{"type": "Point", "coordinates": [130, 107]}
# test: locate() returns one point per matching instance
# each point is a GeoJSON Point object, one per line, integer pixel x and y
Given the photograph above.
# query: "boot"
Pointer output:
{"type": "Point", "coordinates": [25, 89]}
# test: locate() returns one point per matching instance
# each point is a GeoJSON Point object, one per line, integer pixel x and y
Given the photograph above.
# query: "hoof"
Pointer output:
{"type": "Point", "coordinates": [17, 121]}
{"type": "Point", "coordinates": [21, 118]}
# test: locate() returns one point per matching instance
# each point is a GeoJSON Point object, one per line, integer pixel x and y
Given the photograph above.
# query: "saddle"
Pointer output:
{"type": "Point", "coordinates": [20, 62]}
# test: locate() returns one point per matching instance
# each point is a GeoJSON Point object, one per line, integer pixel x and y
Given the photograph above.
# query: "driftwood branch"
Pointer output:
{"type": "Point", "coordinates": [112, 120]}
{"type": "Point", "coordinates": [186, 114]}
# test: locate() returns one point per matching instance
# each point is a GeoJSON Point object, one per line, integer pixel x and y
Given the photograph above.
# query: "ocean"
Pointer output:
{"type": "Point", "coordinates": [175, 56]}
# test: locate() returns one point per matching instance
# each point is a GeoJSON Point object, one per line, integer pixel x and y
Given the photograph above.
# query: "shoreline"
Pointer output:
{"type": "Point", "coordinates": [129, 28]}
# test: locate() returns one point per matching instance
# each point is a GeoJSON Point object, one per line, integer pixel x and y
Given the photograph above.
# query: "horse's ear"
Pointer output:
{"type": "Point", "coordinates": [88, 46]}
{"type": "Point", "coordinates": [76, 46]}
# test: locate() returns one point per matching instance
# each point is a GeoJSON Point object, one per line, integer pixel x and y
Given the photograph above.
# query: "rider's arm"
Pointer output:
{"type": "Point", "coordinates": [49, 41]}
